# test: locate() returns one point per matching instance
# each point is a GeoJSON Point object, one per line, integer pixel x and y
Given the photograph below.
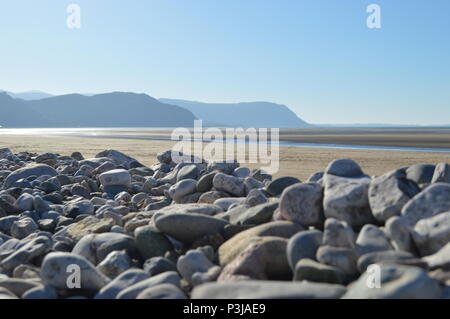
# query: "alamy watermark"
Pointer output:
{"type": "Point", "coordinates": [374, 18]}
{"type": "Point", "coordinates": [73, 20]}
{"type": "Point", "coordinates": [249, 145]}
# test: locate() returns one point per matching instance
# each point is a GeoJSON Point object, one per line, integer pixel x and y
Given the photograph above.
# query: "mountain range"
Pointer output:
{"type": "Point", "coordinates": [120, 109]}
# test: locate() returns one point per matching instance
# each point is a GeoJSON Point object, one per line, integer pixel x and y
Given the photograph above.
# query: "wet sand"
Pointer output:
{"type": "Point", "coordinates": [294, 161]}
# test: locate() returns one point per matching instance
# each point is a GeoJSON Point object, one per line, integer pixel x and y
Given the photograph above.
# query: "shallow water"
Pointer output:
{"type": "Point", "coordinates": [165, 134]}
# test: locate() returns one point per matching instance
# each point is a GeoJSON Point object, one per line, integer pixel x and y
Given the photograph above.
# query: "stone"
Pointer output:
{"type": "Point", "coordinates": [389, 257]}
{"type": "Point", "coordinates": [188, 172]}
{"type": "Point", "coordinates": [316, 177]}
{"type": "Point", "coordinates": [77, 155]}
{"type": "Point", "coordinates": [226, 202]}
{"type": "Point", "coordinates": [120, 283]}
{"type": "Point", "coordinates": [182, 189]}
{"type": "Point", "coordinates": [303, 245]}
{"type": "Point", "coordinates": [117, 157]}
{"type": "Point", "coordinates": [398, 231]}
{"type": "Point", "coordinates": [371, 239]}
{"type": "Point", "coordinates": [203, 209]}
{"type": "Point", "coordinates": [25, 254]}
{"type": "Point", "coordinates": [264, 258]}
{"type": "Point", "coordinates": [229, 184]}
{"type": "Point", "coordinates": [151, 243]}
{"type": "Point", "coordinates": [420, 173]}
{"type": "Point", "coordinates": [78, 207]}
{"type": "Point", "coordinates": [224, 167]}
{"type": "Point", "coordinates": [115, 177]}
{"type": "Point", "coordinates": [23, 227]}
{"type": "Point", "coordinates": [440, 259]}
{"type": "Point", "coordinates": [89, 225]}
{"type": "Point", "coordinates": [41, 292]}
{"type": "Point", "coordinates": [17, 286]}
{"type": "Point", "coordinates": [441, 173]}
{"type": "Point", "coordinates": [78, 190]}
{"type": "Point", "coordinates": [6, 294]}
{"type": "Point", "coordinates": [32, 170]}
{"type": "Point", "coordinates": [310, 270]}
{"type": "Point", "coordinates": [241, 172]}
{"type": "Point", "coordinates": [234, 246]}
{"type": "Point", "coordinates": [57, 269]}
{"type": "Point", "coordinates": [187, 228]}
{"type": "Point", "coordinates": [196, 268]}
{"type": "Point", "coordinates": [277, 186]}
{"type": "Point", "coordinates": [256, 215]}
{"type": "Point", "coordinates": [338, 234]}
{"type": "Point", "coordinates": [205, 183]}
{"type": "Point", "coordinates": [389, 193]}
{"type": "Point", "coordinates": [131, 292]}
{"type": "Point", "coordinates": [343, 258]}
{"type": "Point", "coordinates": [157, 265]}
{"type": "Point", "coordinates": [434, 200]}
{"type": "Point", "coordinates": [344, 167]}
{"type": "Point", "coordinates": [115, 263]}
{"type": "Point", "coordinates": [163, 291]}
{"type": "Point", "coordinates": [24, 202]}
{"type": "Point", "coordinates": [262, 289]}
{"type": "Point", "coordinates": [302, 204]}
{"type": "Point", "coordinates": [211, 197]}
{"type": "Point", "coordinates": [347, 199]}
{"type": "Point", "coordinates": [431, 234]}
{"type": "Point", "coordinates": [397, 282]}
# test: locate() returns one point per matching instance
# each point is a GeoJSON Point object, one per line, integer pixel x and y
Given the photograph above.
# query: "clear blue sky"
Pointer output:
{"type": "Point", "coordinates": [316, 56]}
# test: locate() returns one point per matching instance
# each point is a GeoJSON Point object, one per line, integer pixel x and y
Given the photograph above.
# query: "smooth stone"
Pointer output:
{"type": "Point", "coordinates": [234, 246]}
{"type": "Point", "coordinates": [6, 294]}
{"type": "Point", "coordinates": [347, 199]}
{"type": "Point", "coordinates": [32, 170]}
{"type": "Point", "coordinates": [157, 265]}
{"type": "Point", "coordinates": [344, 167]}
{"type": "Point", "coordinates": [303, 245]}
{"type": "Point", "coordinates": [343, 258]}
{"type": "Point", "coordinates": [261, 289]}
{"type": "Point", "coordinates": [203, 209]}
{"type": "Point", "coordinates": [277, 186]}
{"type": "Point", "coordinates": [310, 270]}
{"type": "Point", "coordinates": [338, 234]}
{"type": "Point", "coordinates": [440, 259]}
{"type": "Point", "coordinates": [229, 184]}
{"type": "Point", "coordinates": [224, 167]}
{"type": "Point", "coordinates": [24, 202]}
{"type": "Point", "coordinates": [114, 264]}
{"type": "Point", "coordinates": [256, 215]}
{"type": "Point", "coordinates": [17, 286]}
{"type": "Point", "coordinates": [23, 227]}
{"type": "Point", "coordinates": [389, 257]}
{"type": "Point", "coordinates": [182, 189]}
{"type": "Point", "coordinates": [441, 173]}
{"type": "Point", "coordinates": [252, 183]}
{"type": "Point", "coordinates": [87, 226]}
{"type": "Point", "coordinates": [434, 200]}
{"type": "Point", "coordinates": [431, 234]}
{"type": "Point", "coordinates": [420, 173]}
{"type": "Point", "coordinates": [263, 258]}
{"type": "Point", "coordinates": [117, 157]}
{"type": "Point", "coordinates": [114, 177]}
{"type": "Point", "coordinates": [95, 247]}
{"type": "Point", "coordinates": [256, 197]}
{"type": "Point", "coordinates": [42, 292]}
{"type": "Point", "coordinates": [131, 292]}
{"type": "Point", "coordinates": [389, 193]}
{"type": "Point", "coordinates": [315, 177]}
{"type": "Point", "coordinates": [211, 196]}
{"type": "Point", "coordinates": [371, 239]}
{"type": "Point", "coordinates": [151, 243]}
{"type": "Point", "coordinates": [78, 207]}
{"type": "Point", "coordinates": [302, 204]}
{"type": "Point", "coordinates": [163, 291]}
{"type": "Point", "coordinates": [196, 268]}
{"type": "Point", "coordinates": [55, 272]}
{"type": "Point", "coordinates": [397, 282]}
{"type": "Point", "coordinates": [187, 228]}
{"type": "Point", "coordinates": [26, 253]}
{"type": "Point", "coordinates": [120, 283]}
{"type": "Point", "coordinates": [242, 172]}
{"type": "Point", "coordinates": [188, 172]}
{"type": "Point", "coordinates": [205, 183]}
{"type": "Point", "coordinates": [398, 230]}
{"type": "Point", "coordinates": [226, 202]}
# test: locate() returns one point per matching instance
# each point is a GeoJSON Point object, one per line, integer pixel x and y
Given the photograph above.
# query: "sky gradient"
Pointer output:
{"type": "Point", "coordinates": [318, 56]}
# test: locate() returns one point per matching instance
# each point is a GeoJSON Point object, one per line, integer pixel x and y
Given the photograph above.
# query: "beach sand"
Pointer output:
{"type": "Point", "coordinates": [300, 162]}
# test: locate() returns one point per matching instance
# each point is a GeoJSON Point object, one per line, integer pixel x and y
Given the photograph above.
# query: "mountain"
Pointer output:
{"type": "Point", "coordinates": [29, 95]}
{"type": "Point", "coordinates": [250, 114]}
{"type": "Point", "coordinates": [115, 109]}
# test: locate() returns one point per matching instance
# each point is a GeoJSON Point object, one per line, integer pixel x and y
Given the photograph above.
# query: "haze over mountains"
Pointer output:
{"type": "Point", "coordinates": [119, 109]}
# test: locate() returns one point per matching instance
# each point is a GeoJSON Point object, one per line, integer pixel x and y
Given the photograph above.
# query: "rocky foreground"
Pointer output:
{"type": "Point", "coordinates": [108, 227]}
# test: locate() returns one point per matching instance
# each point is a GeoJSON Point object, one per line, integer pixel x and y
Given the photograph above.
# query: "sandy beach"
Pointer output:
{"type": "Point", "coordinates": [300, 162]}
